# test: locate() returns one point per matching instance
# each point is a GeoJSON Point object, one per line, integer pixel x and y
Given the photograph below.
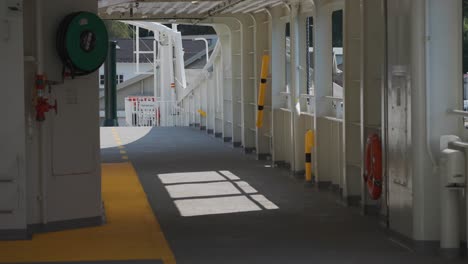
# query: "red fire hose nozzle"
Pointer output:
{"type": "Point", "coordinates": [44, 107]}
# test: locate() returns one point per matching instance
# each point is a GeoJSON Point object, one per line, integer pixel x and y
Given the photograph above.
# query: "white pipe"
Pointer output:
{"type": "Point", "coordinates": [294, 75]}
{"type": "Point", "coordinates": [39, 38]}
{"type": "Point", "coordinates": [155, 76]}
{"type": "Point", "coordinates": [137, 44]}
{"type": "Point", "coordinates": [458, 112]}
{"type": "Point", "coordinates": [428, 84]}
{"type": "Point", "coordinates": [206, 47]}
{"type": "Point", "coordinates": [41, 129]}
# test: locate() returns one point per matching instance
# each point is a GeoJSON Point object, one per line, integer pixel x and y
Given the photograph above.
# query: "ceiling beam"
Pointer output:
{"type": "Point", "coordinates": [160, 8]}
{"type": "Point", "coordinates": [196, 8]}
{"type": "Point", "coordinates": [244, 7]}
{"type": "Point", "coordinates": [173, 7]}
{"type": "Point", "coordinates": [107, 3]}
{"type": "Point", "coordinates": [183, 9]}
{"type": "Point", "coordinates": [199, 11]}
{"type": "Point", "coordinates": [125, 15]}
{"type": "Point", "coordinates": [233, 9]}
{"type": "Point", "coordinates": [260, 6]}
{"type": "Point", "coordinates": [223, 6]}
{"type": "Point", "coordinates": [209, 7]}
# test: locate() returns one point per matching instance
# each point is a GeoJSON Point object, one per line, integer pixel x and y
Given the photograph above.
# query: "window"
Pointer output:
{"type": "Point", "coordinates": [310, 56]}
{"type": "Point", "coordinates": [337, 51]}
{"type": "Point", "coordinates": [120, 78]}
{"type": "Point", "coordinates": [465, 58]}
{"type": "Point", "coordinates": [288, 56]}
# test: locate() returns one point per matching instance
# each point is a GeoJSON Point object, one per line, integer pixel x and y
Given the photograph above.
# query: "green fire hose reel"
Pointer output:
{"type": "Point", "coordinates": [82, 43]}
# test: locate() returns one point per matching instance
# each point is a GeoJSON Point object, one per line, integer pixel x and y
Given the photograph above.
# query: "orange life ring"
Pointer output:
{"type": "Point", "coordinates": [373, 169]}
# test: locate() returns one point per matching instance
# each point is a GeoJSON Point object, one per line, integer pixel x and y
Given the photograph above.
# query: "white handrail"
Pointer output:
{"type": "Point", "coordinates": [458, 112]}
{"type": "Point", "coordinates": [202, 76]}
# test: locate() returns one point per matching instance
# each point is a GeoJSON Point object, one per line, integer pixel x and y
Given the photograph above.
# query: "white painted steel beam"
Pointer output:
{"type": "Point", "coordinates": [160, 8]}
{"type": "Point", "coordinates": [209, 7]}
{"type": "Point", "coordinates": [198, 7]}
{"type": "Point", "coordinates": [262, 6]}
{"type": "Point", "coordinates": [238, 6]}
{"type": "Point", "coordinates": [109, 3]}
{"type": "Point", "coordinates": [173, 8]}
{"type": "Point", "coordinates": [184, 8]}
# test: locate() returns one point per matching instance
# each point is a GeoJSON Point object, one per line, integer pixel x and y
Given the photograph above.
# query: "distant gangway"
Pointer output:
{"type": "Point", "coordinates": [149, 111]}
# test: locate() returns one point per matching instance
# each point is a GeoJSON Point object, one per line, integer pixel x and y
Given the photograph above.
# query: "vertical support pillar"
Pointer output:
{"type": "Point", "coordinates": [295, 91]}
{"type": "Point", "coordinates": [299, 38]}
{"type": "Point", "coordinates": [165, 68]}
{"type": "Point", "coordinates": [278, 50]}
{"type": "Point", "coordinates": [444, 69]}
{"type": "Point", "coordinates": [352, 104]}
{"type": "Point", "coordinates": [250, 84]}
{"type": "Point", "coordinates": [262, 137]}
{"type": "Point", "coordinates": [323, 68]}
{"type": "Point", "coordinates": [110, 69]}
{"type": "Point", "coordinates": [237, 49]}
{"type": "Point", "coordinates": [211, 96]}
{"type": "Point", "coordinates": [204, 103]}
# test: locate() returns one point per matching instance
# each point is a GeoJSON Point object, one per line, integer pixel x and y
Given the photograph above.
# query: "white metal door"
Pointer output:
{"type": "Point", "coordinates": [12, 132]}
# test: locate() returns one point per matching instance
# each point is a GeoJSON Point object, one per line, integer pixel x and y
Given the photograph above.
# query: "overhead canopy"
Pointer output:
{"type": "Point", "coordinates": [180, 9]}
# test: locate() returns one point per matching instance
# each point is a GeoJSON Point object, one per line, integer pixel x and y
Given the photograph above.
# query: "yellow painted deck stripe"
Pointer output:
{"type": "Point", "coordinates": [132, 231]}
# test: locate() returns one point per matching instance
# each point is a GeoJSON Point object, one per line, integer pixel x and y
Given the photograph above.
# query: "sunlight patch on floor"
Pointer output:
{"type": "Point", "coordinates": [229, 175]}
{"type": "Point", "coordinates": [202, 189]}
{"type": "Point", "coordinates": [211, 206]}
{"type": "Point", "coordinates": [264, 202]}
{"type": "Point", "coordinates": [126, 135]}
{"type": "Point", "coordinates": [187, 177]}
{"type": "Point", "coordinates": [246, 187]}
{"type": "Point", "coordinates": [211, 192]}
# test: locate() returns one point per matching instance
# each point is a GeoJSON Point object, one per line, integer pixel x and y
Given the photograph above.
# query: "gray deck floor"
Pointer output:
{"type": "Point", "coordinates": [310, 226]}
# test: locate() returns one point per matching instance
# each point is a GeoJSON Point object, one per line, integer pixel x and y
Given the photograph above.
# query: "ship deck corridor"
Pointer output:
{"type": "Point", "coordinates": [240, 210]}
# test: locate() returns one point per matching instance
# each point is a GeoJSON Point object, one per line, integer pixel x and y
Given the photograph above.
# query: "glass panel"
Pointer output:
{"type": "Point", "coordinates": [310, 56]}
{"type": "Point", "coordinates": [337, 50]}
{"type": "Point", "coordinates": [465, 58]}
{"type": "Point", "coordinates": [288, 56]}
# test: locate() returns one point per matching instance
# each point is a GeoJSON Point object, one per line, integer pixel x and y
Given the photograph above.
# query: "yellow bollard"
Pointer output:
{"type": "Point", "coordinates": [309, 144]}
{"type": "Point", "coordinates": [262, 90]}
{"type": "Point", "coordinates": [202, 113]}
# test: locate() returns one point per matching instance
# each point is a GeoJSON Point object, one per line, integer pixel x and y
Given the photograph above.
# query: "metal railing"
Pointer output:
{"type": "Point", "coordinates": [148, 111]}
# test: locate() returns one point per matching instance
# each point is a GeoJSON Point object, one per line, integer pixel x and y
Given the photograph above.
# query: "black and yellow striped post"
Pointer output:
{"type": "Point", "coordinates": [262, 90]}
{"type": "Point", "coordinates": [309, 144]}
{"type": "Point", "coordinates": [202, 113]}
